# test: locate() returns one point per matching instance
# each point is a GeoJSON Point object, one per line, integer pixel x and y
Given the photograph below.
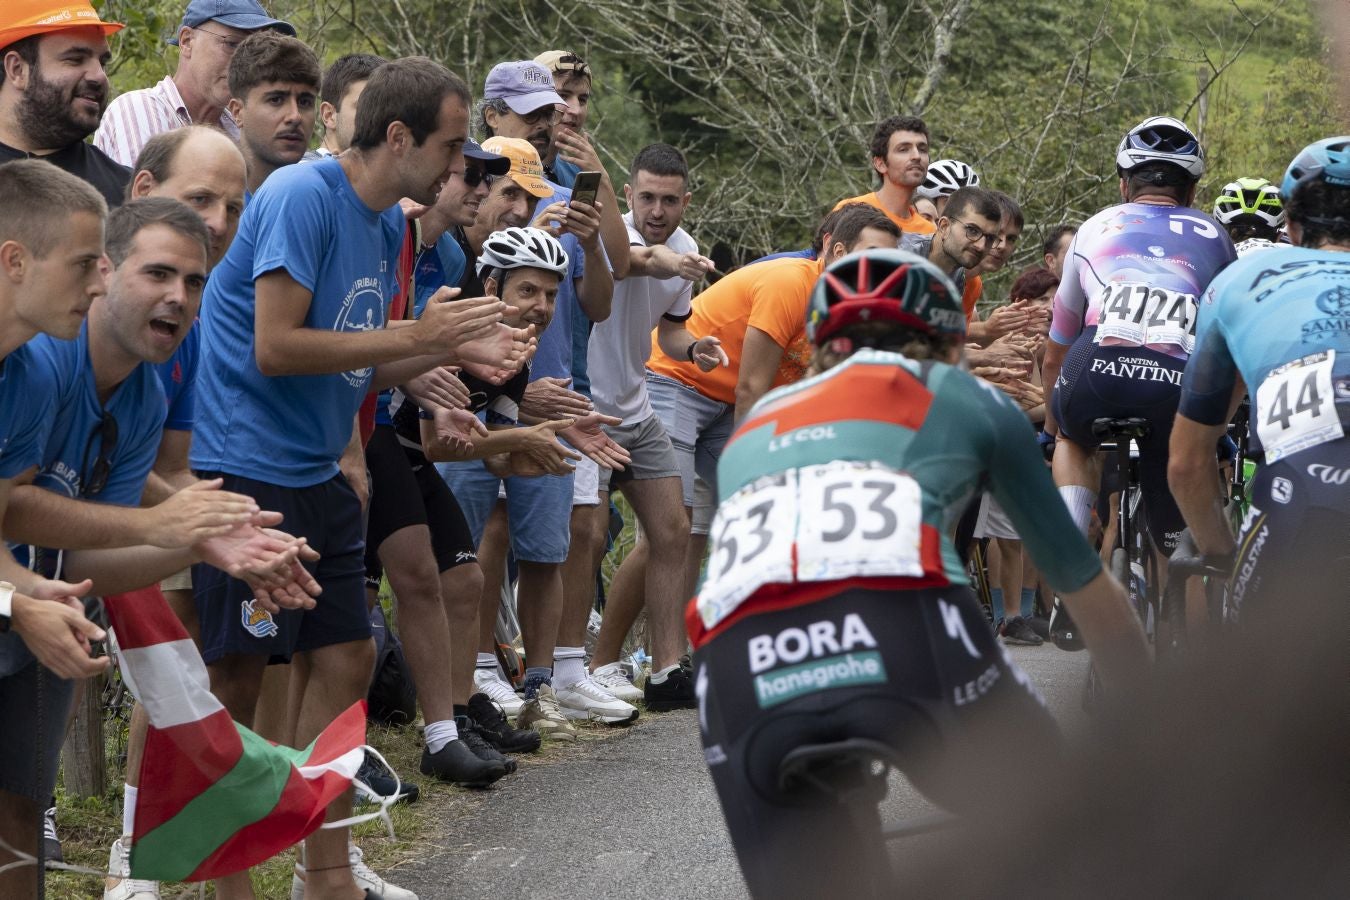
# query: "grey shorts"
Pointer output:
{"type": "Point", "coordinates": [699, 428]}
{"type": "Point", "coordinates": [31, 749]}
{"type": "Point", "coordinates": [993, 522]}
{"type": "Point", "coordinates": [653, 455]}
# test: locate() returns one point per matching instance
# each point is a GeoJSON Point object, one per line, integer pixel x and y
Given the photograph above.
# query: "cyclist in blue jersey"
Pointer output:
{"type": "Point", "coordinates": [836, 609]}
{"type": "Point", "coordinates": [1276, 326]}
{"type": "Point", "coordinates": [1124, 318]}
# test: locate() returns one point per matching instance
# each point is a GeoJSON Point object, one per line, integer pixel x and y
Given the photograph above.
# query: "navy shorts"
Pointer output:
{"type": "Point", "coordinates": [406, 490]}
{"type": "Point", "coordinates": [1099, 382]}
{"type": "Point", "coordinates": [34, 706]}
{"type": "Point", "coordinates": [329, 515]}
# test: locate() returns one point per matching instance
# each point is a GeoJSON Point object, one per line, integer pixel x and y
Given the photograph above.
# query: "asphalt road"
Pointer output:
{"type": "Point", "coordinates": [632, 813]}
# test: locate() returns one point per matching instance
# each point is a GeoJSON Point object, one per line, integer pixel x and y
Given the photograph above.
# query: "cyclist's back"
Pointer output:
{"type": "Point", "coordinates": [1125, 315]}
{"type": "Point", "coordinates": [835, 608]}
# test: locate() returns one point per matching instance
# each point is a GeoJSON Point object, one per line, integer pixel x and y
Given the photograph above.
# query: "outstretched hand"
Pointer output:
{"type": "Point", "coordinates": [587, 436]}
{"type": "Point", "coordinates": [269, 562]}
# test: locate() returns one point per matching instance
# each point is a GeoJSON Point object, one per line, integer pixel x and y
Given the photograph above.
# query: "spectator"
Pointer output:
{"type": "Point", "coordinates": [900, 159]}
{"type": "Point", "coordinates": [758, 314]}
{"type": "Point", "coordinates": [966, 231]}
{"type": "Point", "coordinates": [274, 92]}
{"type": "Point", "coordinates": [666, 263]}
{"type": "Point", "coordinates": [1056, 247]}
{"type": "Point", "coordinates": [198, 91]}
{"type": "Point", "coordinates": [343, 83]}
{"type": "Point", "coordinates": [197, 165]}
{"type": "Point", "coordinates": [54, 87]}
{"type": "Point", "coordinates": [293, 332]}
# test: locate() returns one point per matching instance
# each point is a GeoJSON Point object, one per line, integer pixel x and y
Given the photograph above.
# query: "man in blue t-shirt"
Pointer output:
{"type": "Point", "coordinates": [293, 337]}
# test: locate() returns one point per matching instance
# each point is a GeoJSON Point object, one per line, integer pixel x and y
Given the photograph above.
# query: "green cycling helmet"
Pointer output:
{"type": "Point", "coordinates": [1250, 197]}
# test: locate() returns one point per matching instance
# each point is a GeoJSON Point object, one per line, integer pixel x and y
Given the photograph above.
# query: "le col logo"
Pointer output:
{"type": "Point", "coordinates": [1327, 475]}
{"type": "Point", "coordinates": [814, 433]}
{"type": "Point", "coordinates": [792, 645]}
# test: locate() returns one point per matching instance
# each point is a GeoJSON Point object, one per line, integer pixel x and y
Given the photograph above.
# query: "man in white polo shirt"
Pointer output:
{"type": "Point", "coordinates": [198, 90]}
{"type": "Point", "coordinates": [665, 263]}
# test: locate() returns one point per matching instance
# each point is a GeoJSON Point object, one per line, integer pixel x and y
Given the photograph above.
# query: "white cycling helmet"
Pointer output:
{"type": "Point", "coordinates": [1161, 139]}
{"type": "Point", "coordinates": [516, 248]}
{"type": "Point", "coordinates": [946, 177]}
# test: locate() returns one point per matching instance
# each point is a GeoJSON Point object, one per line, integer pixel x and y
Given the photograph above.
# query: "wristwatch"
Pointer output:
{"type": "Point", "coordinates": [6, 604]}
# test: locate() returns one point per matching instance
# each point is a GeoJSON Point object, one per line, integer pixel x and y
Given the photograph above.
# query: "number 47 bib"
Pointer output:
{"type": "Point", "coordinates": [816, 523]}
{"type": "Point", "coordinates": [1296, 406]}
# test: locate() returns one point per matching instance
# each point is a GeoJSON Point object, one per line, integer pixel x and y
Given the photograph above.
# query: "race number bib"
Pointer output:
{"type": "Point", "coordinates": [1136, 314]}
{"type": "Point", "coordinates": [842, 519]}
{"type": "Point", "coordinates": [1296, 406]}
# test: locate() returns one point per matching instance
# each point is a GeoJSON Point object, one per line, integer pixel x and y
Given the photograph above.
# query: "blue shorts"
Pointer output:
{"type": "Point", "coordinates": [31, 750]}
{"type": "Point", "coordinates": [329, 515]}
{"type": "Point", "coordinates": [539, 508]}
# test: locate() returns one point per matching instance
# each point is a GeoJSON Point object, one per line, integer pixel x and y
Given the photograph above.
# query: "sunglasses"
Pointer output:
{"type": "Point", "coordinates": [544, 115]}
{"type": "Point", "coordinates": [473, 177]}
{"type": "Point", "coordinates": [572, 63]}
{"type": "Point", "coordinates": [94, 481]}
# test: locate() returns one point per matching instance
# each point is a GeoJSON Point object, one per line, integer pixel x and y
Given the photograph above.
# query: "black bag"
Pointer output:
{"type": "Point", "coordinates": [393, 695]}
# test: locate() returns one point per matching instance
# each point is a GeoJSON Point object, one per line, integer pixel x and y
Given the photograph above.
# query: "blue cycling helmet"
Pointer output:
{"type": "Point", "coordinates": [1328, 158]}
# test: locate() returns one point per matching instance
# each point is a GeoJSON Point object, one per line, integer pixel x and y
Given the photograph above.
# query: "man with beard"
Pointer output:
{"type": "Point", "coordinates": [274, 96]}
{"type": "Point", "coordinates": [53, 88]}
{"type": "Point", "coordinates": [900, 160]}
{"type": "Point", "coordinates": [198, 90]}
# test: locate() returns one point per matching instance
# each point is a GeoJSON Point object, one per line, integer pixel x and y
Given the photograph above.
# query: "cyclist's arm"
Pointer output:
{"type": "Point", "coordinates": [1050, 366]}
{"type": "Point", "coordinates": [1194, 480]}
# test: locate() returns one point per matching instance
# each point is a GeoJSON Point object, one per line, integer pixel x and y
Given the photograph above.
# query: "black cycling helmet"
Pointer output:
{"type": "Point", "coordinates": [884, 286]}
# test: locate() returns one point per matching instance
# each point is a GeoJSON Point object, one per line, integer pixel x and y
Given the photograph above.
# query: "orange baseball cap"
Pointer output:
{"type": "Point", "coordinates": [526, 169]}
{"type": "Point", "coordinates": [25, 18]}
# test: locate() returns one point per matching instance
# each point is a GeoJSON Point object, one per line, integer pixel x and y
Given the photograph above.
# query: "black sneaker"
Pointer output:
{"type": "Point", "coordinates": [479, 745]}
{"type": "Point", "coordinates": [676, 692]}
{"type": "Point", "coordinates": [457, 763]}
{"type": "Point", "coordinates": [492, 725]}
{"type": "Point", "coordinates": [377, 778]}
{"type": "Point", "coordinates": [1017, 631]}
{"type": "Point", "coordinates": [51, 844]}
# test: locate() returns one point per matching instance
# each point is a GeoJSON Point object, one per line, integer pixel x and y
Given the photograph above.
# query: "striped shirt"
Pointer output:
{"type": "Point", "coordinates": [135, 117]}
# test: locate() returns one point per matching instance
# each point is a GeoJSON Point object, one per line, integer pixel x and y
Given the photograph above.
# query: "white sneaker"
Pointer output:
{"type": "Point", "coordinates": [365, 878]}
{"type": "Point", "coordinates": [127, 888]}
{"type": "Point", "coordinates": [498, 691]}
{"type": "Point", "coordinates": [587, 699]}
{"type": "Point", "coordinates": [611, 678]}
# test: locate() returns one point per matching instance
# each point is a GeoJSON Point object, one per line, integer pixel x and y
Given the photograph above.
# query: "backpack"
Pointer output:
{"type": "Point", "coordinates": [393, 695]}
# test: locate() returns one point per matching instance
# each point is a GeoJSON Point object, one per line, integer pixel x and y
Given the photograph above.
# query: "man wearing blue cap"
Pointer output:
{"type": "Point", "coordinates": [199, 90]}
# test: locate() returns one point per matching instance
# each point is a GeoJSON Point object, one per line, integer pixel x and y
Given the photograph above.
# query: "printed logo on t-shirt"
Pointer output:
{"type": "Point", "coordinates": [362, 310]}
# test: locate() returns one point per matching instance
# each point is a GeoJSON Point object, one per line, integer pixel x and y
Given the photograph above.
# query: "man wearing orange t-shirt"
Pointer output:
{"type": "Point", "coordinates": [758, 313]}
{"type": "Point", "coordinates": [900, 159]}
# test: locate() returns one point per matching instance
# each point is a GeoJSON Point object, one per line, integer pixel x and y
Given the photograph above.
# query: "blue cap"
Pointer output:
{"type": "Point", "coordinates": [493, 163]}
{"type": "Point", "coordinates": [246, 15]}
{"type": "Point", "coordinates": [523, 84]}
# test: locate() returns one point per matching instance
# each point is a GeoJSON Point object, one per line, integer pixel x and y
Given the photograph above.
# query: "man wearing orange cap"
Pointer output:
{"type": "Point", "coordinates": [53, 88]}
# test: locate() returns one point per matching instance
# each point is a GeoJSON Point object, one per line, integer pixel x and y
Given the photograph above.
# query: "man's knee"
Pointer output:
{"type": "Point", "coordinates": [236, 681]}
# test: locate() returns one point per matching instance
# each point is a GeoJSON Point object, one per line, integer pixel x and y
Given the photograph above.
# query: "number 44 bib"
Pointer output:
{"type": "Point", "coordinates": [1296, 406]}
{"type": "Point", "coordinates": [816, 523]}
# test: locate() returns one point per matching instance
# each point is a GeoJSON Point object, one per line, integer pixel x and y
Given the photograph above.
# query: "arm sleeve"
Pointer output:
{"type": "Point", "coordinates": [293, 231]}
{"type": "Point", "coordinates": [1066, 322]}
{"type": "Point", "coordinates": [1021, 483]}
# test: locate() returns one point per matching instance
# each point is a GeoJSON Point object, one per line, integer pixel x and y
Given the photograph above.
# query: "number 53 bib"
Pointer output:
{"type": "Point", "coordinates": [816, 523]}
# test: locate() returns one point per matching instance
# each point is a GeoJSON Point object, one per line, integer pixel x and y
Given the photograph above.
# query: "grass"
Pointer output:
{"type": "Point", "coordinates": [89, 825]}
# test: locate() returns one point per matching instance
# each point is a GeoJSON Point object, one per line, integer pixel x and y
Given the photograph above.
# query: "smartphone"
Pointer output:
{"type": "Point", "coordinates": [586, 187]}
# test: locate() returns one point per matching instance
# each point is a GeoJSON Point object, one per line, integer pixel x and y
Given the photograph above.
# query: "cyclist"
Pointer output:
{"type": "Point", "coordinates": [1124, 318]}
{"type": "Point", "coordinates": [1251, 212]}
{"type": "Point", "coordinates": [1277, 326]}
{"type": "Point", "coordinates": [835, 606]}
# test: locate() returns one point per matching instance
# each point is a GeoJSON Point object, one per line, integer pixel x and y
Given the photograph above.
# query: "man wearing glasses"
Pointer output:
{"type": "Point", "coordinates": [967, 229]}
{"type": "Point", "coordinates": [198, 90]}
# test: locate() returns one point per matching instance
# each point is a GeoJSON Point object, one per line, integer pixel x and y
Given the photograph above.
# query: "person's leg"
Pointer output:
{"type": "Point", "coordinates": [656, 502]}
{"type": "Point", "coordinates": [623, 604]}
{"type": "Point", "coordinates": [20, 819]}
{"type": "Point", "coordinates": [274, 713]}
{"type": "Point", "coordinates": [462, 593]}
{"type": "Point", "coordinates": [411, 569]}
{"type": "Point", "coordinates": [590, 527]}
{"type": "Point", "coordinates": [492, 562]}
{"type": "Point", "coordinates": [339, 676]}
{"type": "Point", "coordinates": [539, 605]}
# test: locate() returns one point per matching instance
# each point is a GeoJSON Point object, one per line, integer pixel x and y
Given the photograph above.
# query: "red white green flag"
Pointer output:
{"type": "Point", "coordinates": [214, 797]}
